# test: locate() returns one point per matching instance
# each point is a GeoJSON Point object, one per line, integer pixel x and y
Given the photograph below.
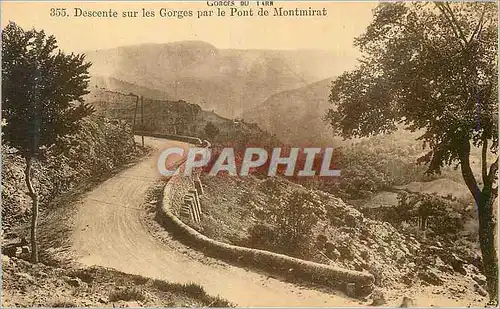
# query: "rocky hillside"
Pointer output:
{"type": "Point", "coordinates": [224, 80]}
{"type": "Point", "coordinates": [177, 117]}
{"type": "Point", "coordinates": [243, 211]}
{"type": "Point", "coordinates": [39, 285]}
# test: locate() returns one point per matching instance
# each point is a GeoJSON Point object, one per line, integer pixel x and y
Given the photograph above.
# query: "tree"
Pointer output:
{"type": "Point", "coordinates": [432, 68]}
{"type": "Point", "coordinates": [41, 98]}
{"type": "Point", "coordinates": [211, 130]}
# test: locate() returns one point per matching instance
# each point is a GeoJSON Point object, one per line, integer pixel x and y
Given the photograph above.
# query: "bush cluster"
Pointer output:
{"type": "Point", "coordinates": [437, 215]}
{"type": "Point", "coordinates": [288, 222]}
{"type": "Point", "coordinates": [99, 147]}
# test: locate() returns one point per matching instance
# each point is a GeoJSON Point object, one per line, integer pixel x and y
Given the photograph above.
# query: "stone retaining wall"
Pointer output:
{"type": "Point", "coordinates": [181, 138]}
{"type": "Point", "coordinates": [353, 283]}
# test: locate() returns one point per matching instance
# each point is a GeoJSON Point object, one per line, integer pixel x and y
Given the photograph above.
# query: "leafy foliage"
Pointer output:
{"type": "Point", "coordinates": [431, 67]}
{"type": "Point", "coordinates": [289, 223]}
{"type": "Point", "coordinates": [41, 98]}
{"type": "Point", "coordinates": [372, 166]}
{"type": "Point", "coordinates": [417, 70]}
{"type": "Point", "coordinates": [101, 146]}
{"type": "Point", "coordinates": [441, 215]}
{"type": "Point", "coordinates": [39, 89]}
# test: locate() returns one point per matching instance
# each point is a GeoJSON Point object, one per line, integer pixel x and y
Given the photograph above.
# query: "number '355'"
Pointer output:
{"type": "Point", "coordinates": [57, 12]}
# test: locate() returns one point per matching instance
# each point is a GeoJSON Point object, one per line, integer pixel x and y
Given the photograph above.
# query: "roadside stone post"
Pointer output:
{"type": "Point", "coordinates": [197, 201]}
{"type": "Point", "coordinates": [187, 208]}
{"type": "Point", "coordinates": [190, 201]}
{"type": "Point", "coordinates": [199, 186]}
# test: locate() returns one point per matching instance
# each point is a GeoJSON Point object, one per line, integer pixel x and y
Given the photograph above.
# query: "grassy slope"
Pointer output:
{"type": "Point", "coordinates": [27, 285]}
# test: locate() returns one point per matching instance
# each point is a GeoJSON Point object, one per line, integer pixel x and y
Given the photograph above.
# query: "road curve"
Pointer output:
{"type": "Point", "coordinates": [108, 232]}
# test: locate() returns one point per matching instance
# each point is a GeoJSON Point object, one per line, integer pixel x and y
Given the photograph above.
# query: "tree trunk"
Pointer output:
{"type": "Point", "coordinates": [487, 242]}
{"type": "Point", "coordinates": [484, 200]}
{"type": "Point", "coordinates": [34, 209]}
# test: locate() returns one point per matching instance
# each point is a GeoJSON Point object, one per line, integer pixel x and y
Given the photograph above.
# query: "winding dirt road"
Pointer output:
{"type": "Point", "coordinates": [109, 232]}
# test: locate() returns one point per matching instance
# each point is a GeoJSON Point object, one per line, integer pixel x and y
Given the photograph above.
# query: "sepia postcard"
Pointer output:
{"type": "Point", "coordinates": [249, 154]}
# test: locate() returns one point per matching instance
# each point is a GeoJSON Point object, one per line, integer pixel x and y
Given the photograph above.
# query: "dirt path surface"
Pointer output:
{"type": "Point", "coordinates": [109, 232]}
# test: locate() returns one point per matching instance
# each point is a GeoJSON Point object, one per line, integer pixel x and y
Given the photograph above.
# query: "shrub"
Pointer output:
{"type": "Point", "coordinates": [211, 130]}
{"type": "Point", "coordinates": [98, 148]}
{"type": "Point", "coordinates": [371, 165]}
{"type": "Point", "coordinates": [294, 221]}
{"type": "Point", "coordinates": [289, 222]}
{"type": "Point", "coordinates": [193, 290]}
{"type": "Point", "coordinates": [126, 294]}
{"type": "Point", "coordinates": [262, 236]}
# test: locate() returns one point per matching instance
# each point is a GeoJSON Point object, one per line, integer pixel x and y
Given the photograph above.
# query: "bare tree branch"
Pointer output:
{"type": "Point", "coordinates": [479, 26]}
{"type": "Point", "coordinates": [455, 21]}
{"type": "Point", "coordinates": [445, 10]}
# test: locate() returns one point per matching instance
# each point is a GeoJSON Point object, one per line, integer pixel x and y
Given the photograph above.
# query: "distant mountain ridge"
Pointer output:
{"type": "Point", "coordinates": [227, 81]}
{"type": "Point", "coordinates": [115, 84]}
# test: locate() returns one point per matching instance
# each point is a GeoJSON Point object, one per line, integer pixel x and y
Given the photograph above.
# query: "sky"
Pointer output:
{"type": "Point", "coordinates": [336, 31]}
